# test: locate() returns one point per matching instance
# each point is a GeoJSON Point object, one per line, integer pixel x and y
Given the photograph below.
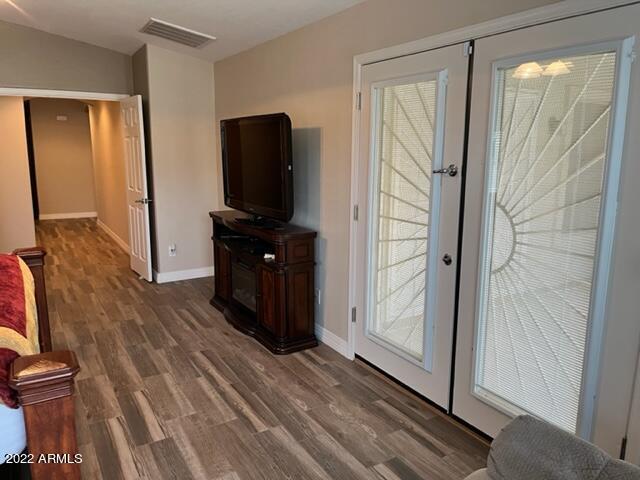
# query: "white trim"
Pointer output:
{"type": "Point", "coordinates": [332, 340]}
{"type": "Point", "coordinates": [527, 18]}
{"type": "Point", "coordinates": [114, 236]}
{"type": "Point", "coordinates": [178, 275]}
{"type": "Point", "coordinates": [603, 270]}
{"type": "Point", "coordinates": [61, 216]}
{"type": "Point", "coordinates": [46, 93]}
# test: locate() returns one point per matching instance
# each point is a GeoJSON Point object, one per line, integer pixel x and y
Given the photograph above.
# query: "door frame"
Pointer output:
{"type": "Point", "coordinates": [69, 94]}
{"type": "Point", "coordinates": [527, 18]}
{"type": "Point", "coordinates": [47, 93]}
{"type": "Point", "coordinates": [62, 94]}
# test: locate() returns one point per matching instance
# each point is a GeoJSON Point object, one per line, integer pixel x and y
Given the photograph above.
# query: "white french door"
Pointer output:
{"type": "Point", "coordinates": [548, 319]}
{"type": "Point", "coordinates": [137, 189]}
{"type": "Point", "coordinates": [549, 281]}
{"type": "Point", "coordinates": [412, 126]}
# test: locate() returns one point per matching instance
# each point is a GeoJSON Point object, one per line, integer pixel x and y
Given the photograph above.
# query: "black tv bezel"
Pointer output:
{"type": "Point", "coordinates": [286, 165]}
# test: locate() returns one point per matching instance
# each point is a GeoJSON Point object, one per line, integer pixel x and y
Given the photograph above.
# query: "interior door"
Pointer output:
{"type": "Point", "coordinates": [412, 131]}
{"type": "Point", "coordinates": [548, 312]}
{"type": "Point", "coordinates": [137, 191]}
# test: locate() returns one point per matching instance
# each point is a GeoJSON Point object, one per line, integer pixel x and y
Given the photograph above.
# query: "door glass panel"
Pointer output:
{"type": "Point", "coordinates": [546, 170]}
{"type": "Point", "coordinates": [401, 186]}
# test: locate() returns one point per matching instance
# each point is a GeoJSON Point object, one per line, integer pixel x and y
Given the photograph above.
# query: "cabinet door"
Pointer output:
{"type": "Point", "coordinates": [268, 305]}
{"type": "Point", "coordinates": [300, 283]}
{"type": "Point", "coordinates": [222, 276]}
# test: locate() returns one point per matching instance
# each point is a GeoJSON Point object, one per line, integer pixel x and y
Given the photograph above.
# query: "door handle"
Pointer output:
{"type": "Point", "coordinates": [143, 201]}
{"type": "Point", "coordinates": [451, 170]}
{"type": "Point", "coordinates": [447, 259]}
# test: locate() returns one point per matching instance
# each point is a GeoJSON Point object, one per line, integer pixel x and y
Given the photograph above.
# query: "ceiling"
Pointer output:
{"type": "Point", "coordinates": [115, 24]}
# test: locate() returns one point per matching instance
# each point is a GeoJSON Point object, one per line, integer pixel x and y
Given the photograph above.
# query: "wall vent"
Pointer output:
{"type": "Point", "coordinates": [177, 34]}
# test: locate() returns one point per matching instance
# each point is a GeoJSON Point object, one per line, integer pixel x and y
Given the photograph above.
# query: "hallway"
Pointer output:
{"type": "Point", "coordinates": [168, 389]}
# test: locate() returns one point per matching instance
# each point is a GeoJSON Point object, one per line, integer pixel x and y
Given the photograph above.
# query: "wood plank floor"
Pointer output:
{"type": "Point", "coordinates": [169, 390]}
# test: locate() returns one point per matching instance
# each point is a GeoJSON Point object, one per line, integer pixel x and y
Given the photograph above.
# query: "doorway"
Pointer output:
{"type": "Point", "coordinates": [547, 227]}
{"type": "Point", "coordinates": [87, 159]}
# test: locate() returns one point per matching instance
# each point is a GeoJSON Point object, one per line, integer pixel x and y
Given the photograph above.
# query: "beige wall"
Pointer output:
{"type": "Point", "coordinates": [31, 58]}
{"type": "Point", "coordinates": [109, 167]}
{"type": "Point", "coordinates": [178, 98]}
{"type": "Point", "coordinates": [62, 151]}
{"type": "Point", "coordinates": [16, 212]}
{"type": "Point", "coordinates": [308, 74]}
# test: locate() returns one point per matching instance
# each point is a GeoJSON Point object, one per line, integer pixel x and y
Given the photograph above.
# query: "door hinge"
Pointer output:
{"type": "Point", "coordinates": [467, 49]}
{"type": "Point", "coordinates": [632, 55]}
{"type": "Point", "coordinates": [355, 212]}
{"type": "Point", "coordinates": [359, 101]}
{"type": "Point", "coordinates": [623, 448]}
{"type": "Point", "coordinates": [353, 314]}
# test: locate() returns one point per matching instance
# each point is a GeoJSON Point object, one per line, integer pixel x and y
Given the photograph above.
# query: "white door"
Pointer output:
{"type": "Point", "coordinates": [412, 123]}
{"type": "Point", "coordinates": [137, 192]}
{"type": "Point", "coordinates": [548, 320]}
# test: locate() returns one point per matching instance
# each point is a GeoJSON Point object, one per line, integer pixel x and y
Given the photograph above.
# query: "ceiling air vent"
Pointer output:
{"type": "Point", "coordinates": [176, 33]}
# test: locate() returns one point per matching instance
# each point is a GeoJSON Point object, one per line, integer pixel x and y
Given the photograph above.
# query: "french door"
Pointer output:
{"type": "Point", "coordinates": [549, 280]}
{"type": "Point", "coordinates": [542, 324]}
{"type": "Point", "coordinates": [409, 187]}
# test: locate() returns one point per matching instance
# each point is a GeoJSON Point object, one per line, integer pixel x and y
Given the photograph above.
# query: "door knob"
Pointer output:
{"type": "Point", "coordinates": [451, 170]}
{"type": "Point", "coordinates": [447, 259]}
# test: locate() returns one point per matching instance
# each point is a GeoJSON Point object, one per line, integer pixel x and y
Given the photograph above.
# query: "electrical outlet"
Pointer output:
{"type": "Point", "coordinates": [173, 250]}
{"type": "Point", "coordinates": [318, 295]}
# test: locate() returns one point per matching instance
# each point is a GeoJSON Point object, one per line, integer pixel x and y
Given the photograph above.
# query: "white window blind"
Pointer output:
{"type": "Point", "coordinates": [405, 136]}
{"type": "Point", "coordinates": [547, 165]}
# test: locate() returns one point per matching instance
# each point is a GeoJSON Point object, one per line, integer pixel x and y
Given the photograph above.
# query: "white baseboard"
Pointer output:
{"type": "Point", "coordinates": [121, 243]}
{"type": "Point", "coordinates": [165, 277]}
{"type": "Point", "coordinates": [330, 339]}
{"type": "Point", "coordinates": [61, 216]}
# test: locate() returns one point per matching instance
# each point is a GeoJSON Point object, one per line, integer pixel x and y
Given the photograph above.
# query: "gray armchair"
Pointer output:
{"type": "Point", "coordinates": [530, 449]}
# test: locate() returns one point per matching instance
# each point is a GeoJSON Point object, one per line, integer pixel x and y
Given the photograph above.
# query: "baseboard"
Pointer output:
{"type": "Point", "coordinates": [61, 216]}
{"type": "Point", "coordinates": [165, 277]}
{"type": "Point", "coordinates": [330, 339]}
{"type": "Point", "coordinates": [114, 236]}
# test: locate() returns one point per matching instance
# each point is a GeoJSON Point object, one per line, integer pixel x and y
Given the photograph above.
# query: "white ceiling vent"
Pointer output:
{"type": "Point", "coordinates": [177, 34]}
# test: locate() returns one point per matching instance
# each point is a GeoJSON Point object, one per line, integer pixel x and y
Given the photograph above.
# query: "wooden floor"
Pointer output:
{"type": "Point", "coordinates": [169, 390]}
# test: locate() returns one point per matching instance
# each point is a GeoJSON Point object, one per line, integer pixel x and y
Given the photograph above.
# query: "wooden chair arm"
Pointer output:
{"type": "Point", "coordinates": [45, 384]}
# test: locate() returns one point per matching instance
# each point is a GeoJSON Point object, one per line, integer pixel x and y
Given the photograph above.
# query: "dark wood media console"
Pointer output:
{"type": "Point", "coordinates": [264, 280]}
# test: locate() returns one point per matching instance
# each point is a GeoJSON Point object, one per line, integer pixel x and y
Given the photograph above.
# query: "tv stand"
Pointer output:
{"type": "Point", "coordinates": [264, 279]}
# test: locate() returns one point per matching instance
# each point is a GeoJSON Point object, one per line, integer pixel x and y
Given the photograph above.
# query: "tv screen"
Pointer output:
{"type": "Point", "coordinates": [257, 168]}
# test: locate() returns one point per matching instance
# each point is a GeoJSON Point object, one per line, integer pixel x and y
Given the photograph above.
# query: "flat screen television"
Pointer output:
{"type": "Point", "coordinates": [257, 165]}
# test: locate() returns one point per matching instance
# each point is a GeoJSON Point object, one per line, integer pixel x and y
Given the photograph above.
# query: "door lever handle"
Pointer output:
{"type": "Point", "coordinates": [451, 170]}
{"type": "Point", "coordinates": [144, 201]}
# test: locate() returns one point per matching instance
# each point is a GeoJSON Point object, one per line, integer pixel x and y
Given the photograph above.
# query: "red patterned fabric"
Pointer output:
{"type": "Point", "coordinates": [13, 316]}
{"type": "Point", "coordinates": [12, 301]}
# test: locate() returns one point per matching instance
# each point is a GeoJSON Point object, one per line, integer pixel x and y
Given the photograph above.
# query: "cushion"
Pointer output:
{"type": "Point", "coordinates": [479, 475]}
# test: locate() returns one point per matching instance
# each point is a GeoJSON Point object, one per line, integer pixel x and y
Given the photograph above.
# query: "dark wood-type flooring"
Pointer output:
{"type": "Point", "coordinates": [169, 390]}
